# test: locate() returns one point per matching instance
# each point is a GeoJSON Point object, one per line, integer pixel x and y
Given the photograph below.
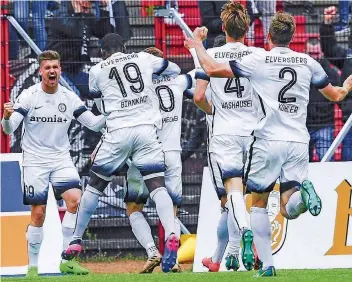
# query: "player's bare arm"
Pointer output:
{"type": "Point", "coordinates": [336, 93]}
{"type": "Point", "coordinates": [199, 97]}
{"type": "Point", "coordinates": [209, 65]}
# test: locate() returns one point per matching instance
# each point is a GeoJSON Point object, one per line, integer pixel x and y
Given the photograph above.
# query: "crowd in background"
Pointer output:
{"type": "Point", "coordinates": [69, 26]}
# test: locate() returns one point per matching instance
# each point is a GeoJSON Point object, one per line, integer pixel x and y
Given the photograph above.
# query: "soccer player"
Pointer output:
{"type": "Point", "coordinates": [281, 78]}
{"type": "Point", "coordinates": [234, 109]}
{"type": "Point", "coordinates": [170, 91]}
{"type": "Point", "coordinates": [124, 83]}
{"type": "Point", "coordinates": [47, 109]}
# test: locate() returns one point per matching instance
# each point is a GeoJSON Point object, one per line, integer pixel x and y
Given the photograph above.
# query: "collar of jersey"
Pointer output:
{"type": "Point", "coordinates": [233, 43]}
{"type": "Point", "coordinates": [281, 50]}
{"type": "Point", "coordinates": [40, 89]}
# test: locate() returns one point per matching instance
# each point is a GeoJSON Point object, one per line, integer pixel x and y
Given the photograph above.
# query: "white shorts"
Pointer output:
{"type": "Point", "coordinates": [228, 152]}
{"type": "Point", "coordinates": [269, 160]}
{"type": "Point", "coordinates": [136, 190]}
{"type": "Point", "coordinates": [62, 175]}
{"type": "Point", "coordinates": [138, 142]}
{"type": "Point", "coordinates": [215, 176]}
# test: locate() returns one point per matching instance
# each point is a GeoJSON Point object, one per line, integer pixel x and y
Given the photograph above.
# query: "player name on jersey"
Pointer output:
{"type": "Point", "coordinates": [134, 102]}
{"type": "Point", "coordinates": [288, 108]}
{"type": "Point", "coordinates": [288, 60]}
{"type": "Point", "coordinates": [230, 55]}
{"type": "Point", "coordinates": [236, 104]}
{"type": "Point", "coordinates": [116, 60]}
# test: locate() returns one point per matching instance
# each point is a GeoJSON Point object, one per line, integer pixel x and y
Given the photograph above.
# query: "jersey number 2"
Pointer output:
{"type": "Point", "coordinates": [114, 74]}
{"type": "Point", "coordinates": [282, 92]}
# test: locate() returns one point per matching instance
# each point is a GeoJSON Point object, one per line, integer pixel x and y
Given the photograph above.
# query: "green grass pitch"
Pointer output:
{"type": "Point", "coordinates": [334, 275]}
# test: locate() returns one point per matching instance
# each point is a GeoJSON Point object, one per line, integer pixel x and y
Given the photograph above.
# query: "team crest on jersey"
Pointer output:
{"type": "Point", "coordinates": [278, 222]}
{"type": "Point", "coordinates": [62, 107]}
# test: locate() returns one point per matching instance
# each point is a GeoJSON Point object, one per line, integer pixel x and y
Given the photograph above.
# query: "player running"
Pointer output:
{"type": "Point", "coordinates": [47, 109]}
{"type": "Point", "coordinates": [234, 110]}
{"type": "Point", "coordinates": [170, 91]}
{"type": "Point", "coordinates": [281, 78]}
{"type": "Point", "coordinates": [124, 82]}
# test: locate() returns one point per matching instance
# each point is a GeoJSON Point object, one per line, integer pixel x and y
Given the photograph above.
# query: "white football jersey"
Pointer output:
{"type": "Point", "coordinates": [282, 78]}
{"type": "Point", "coordinates": [209, 119]}
{"type": "Point", "coordinates": [124, 84]}
{"type": "Point", "coordinates": [170, 90]}
{"type": "Point", "coordinates": [47, 118]}
{"type": "Point", "coordinates": [234, 105]}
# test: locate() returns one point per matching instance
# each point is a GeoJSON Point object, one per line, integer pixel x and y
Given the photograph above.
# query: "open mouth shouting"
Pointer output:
{"type": "Point", "coordinates": [52, 78]}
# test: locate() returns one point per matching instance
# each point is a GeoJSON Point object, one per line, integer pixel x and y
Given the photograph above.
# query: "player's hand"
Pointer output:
{"type": "Point", "coordinates": [348, 83]}
{"type": "Point", "coordinates": [329, 14]}
{"type": "Point", "coordinates": [8, 110]}
{"type": "Point", "coordinates": [200, 33]}
{"type": "Point", "coordinates": [81, 6]}
{"type": "Point", "coordinates": [189, 42]}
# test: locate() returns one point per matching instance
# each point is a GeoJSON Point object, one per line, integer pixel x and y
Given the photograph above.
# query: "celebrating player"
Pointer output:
{"type": "Point", "coordinates": [47, 109]}
{"type": "Point", "coordinates": [124, 83]}
{"type": "Point", "coordinates": [281, 78]}
{"type": "Point", "coordinates": [170, 91]}
{"type": "Point", "coordinates": [234, 109]}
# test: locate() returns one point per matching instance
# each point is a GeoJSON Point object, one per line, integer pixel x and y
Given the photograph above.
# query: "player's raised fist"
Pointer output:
{"type": "Point", "coordinates": [200, 33]}
{"type": "Point", "coordinates": [8, 110]}
{"type": "Point", "coordinates": [329, 14]}
{"type": "Point", "coordinates": [348, 83]}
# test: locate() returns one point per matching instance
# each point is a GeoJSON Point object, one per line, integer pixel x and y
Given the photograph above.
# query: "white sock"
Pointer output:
{"type": "Point", "coordinates": [295, 205]}
{"type": "Point", "coordinates": [261, 229]}
{"type": "Point", "coordinates": [165, 209]}
{"type": "Point", "coordinates": [223, 237]}
{"type": "Point", "coordinates": [234, 234]}
{"type": "Point", "coordinates": [68, 226]}
{"type": "Point", "coordinates": [237, 209]}
{"type": "Point", "coordinates": [34, 237]}
{"type": "Point", "coordinates": [143, 233]}
{"type": "Point", "coordinates": [88, 205]}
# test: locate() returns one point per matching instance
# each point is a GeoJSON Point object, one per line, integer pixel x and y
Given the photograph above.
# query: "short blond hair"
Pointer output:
{"type": "Point", "coordinates": [48, 55]}
{"type": "Point", "coordinates": [235, 18]}
{"type": "Point", "coordinates": [282, 28]}
{"type": "Point", "coordinates": [154, 51]}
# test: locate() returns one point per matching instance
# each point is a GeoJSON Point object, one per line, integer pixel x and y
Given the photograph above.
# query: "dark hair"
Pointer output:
{"type": "Point", "coordinates": [282, 28]}
{"type": "Point", "coordinates": [219, 41]}
{"type": "Point", "coordinates": [112, 43]}
{"type": "Point", "coordinates": [154, 51]}
{"type": "Point", "coordinates": [48, 55]}
{"type": "Point", "coordinates": [235, 19]}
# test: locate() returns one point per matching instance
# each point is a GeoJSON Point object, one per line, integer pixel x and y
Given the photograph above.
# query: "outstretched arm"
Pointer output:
{"type": "Point", "coordinates": [336, 93]}
{"type": "Point", "coordinates": [91, 121]}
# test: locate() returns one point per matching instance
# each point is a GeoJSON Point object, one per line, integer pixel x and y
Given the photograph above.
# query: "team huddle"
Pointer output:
{"type": "Point", "coordinates": [256, 105]}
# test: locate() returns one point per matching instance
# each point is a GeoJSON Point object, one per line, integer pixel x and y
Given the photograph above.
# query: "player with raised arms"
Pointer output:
{"type": "Point", "coordinates": [233, 109]}
{"type": "Point", "coordinates": [47, 110]}
{"type": "Point", "coordinates": [281, 77]}
{"type": "Point", "coordinates": [124, 84]}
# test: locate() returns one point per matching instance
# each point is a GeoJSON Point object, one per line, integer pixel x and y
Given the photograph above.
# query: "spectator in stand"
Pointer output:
{"type": "Point", "coordinates": [344, 10]}
{"type": "Point", "coordinates": [266, 8]}
{"type": "Point", "coordinates": [21, 14]}
{"type": "Point", "coordinates": [320, 118]}
{"type": "Point", "coordinates": [69, 34]}
{"type": "Point", "coordinates": [342, 58]}
{"type": "Point", "coordinates": [308, 7]}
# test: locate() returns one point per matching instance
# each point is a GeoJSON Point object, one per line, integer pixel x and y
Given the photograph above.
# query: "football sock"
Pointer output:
{"type": "Point", "coordinates": [142, 231]}
{"type": "Point", "coordinates": [237, 209]}
{"type": "Point", "coordinates": [223, 237]}
{"type": "Point", "coordinates": [68, 226]}
{"type": "Point", "coordinates": [34, 237]}
{"type": "Point", "coordinates": [177, 231]}
{"type": "Point", "coordinates": [165, 209]}
{"type": "Point", "coordinates": [295, 205]}
{"type": "Point", "coordinates": [261, 229]}
{"type": "Point", "coordinates": [87, 207]}
{"type": "Point", "coordinates": [234, 235]}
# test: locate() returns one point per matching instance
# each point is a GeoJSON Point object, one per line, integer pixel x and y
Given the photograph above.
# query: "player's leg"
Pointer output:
{"type": "Point", "coordinates": [263, 167]}
{"type": "Point", "coordinates": [297, 193]}
{"type": "Point", "coordinates": [67, 185]}
{"type": "Point", "coordinates": [135, 198]}
{"type": "Point", "coordinates": [35, 189]}
{"type": "Point", "coordinates": [213, 262]}
{"type": "Point", "coordinates": [149, 159]}
{"type": "Point", "coordinates": [110, 156]}
{"type": "Point", "coordinates": [173, 184]}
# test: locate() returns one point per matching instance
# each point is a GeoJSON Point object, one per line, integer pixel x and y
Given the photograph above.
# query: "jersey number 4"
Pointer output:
{"type": "Point", "coordinates": [282, 92]}
{"type": "Point", "coordinates": [135, 81]}
{"type": "Point", "coordinates": [230, 88]}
